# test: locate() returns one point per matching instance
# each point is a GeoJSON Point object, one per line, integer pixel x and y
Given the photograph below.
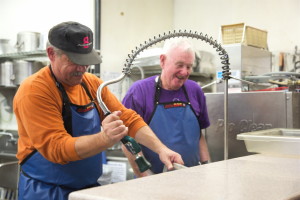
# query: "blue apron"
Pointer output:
{"type": "Point", "coordinates": [45, 180]}
{"type": "Point", "coordinates": [176, 125]}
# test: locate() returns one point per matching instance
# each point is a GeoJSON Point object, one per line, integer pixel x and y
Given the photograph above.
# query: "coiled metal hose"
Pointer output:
{"type": "Point", "coordinates": [172, 34]}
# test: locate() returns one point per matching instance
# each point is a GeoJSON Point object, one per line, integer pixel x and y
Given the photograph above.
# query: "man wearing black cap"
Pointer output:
{"type": "Point", "coordinates": [59, 120]}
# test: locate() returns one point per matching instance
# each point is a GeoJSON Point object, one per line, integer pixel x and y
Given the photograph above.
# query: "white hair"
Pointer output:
{"type": "Point", "coordinates": [180, 42]}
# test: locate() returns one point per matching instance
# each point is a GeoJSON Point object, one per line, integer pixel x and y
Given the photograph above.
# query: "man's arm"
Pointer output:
{"type": "Point", "coordinates": [146, 137]}
{"type": "Point", "coordinates": [203, 149]}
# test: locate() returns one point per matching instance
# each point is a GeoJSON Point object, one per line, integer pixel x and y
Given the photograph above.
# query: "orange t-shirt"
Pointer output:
{"type": "Point", "coordinates": [38, 109]}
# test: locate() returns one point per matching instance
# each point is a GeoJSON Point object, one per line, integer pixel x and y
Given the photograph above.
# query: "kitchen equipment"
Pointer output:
{"type": "Point", "coordinates": [245, 61]}
{"type": "Point", "coordinates": [249, 111]}
{"type": "Point", "coordinates": [6, 74]}
{"type": "Point", "coordinates": [9, 167]}
{"type": "Point", "coordinates": [22, 69]}
{"type": "Point", "coordinates": [291, 80]}
{"type": "Point", "coordinates": [28, 41]}
{"type": "Point", "coordinates": [5, 47]}
{"type": "Point", "coordinates": [278, 141]}
{"type": "Point", "coordinates": [134, 148]}
{"type": "Point", "coordinates": [9, 171]}
{"type": "Point", "coordinates": [129, 142]}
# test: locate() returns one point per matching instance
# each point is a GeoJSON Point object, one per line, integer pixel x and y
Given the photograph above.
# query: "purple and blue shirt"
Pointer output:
{"type": "Point", "coordinates": [140, 97]}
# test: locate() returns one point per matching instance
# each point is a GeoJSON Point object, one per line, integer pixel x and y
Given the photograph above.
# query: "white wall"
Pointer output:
{"type": "Point", "coordinates": [41, 15]}
{"type": "Point", "coordinates": [127, 23]}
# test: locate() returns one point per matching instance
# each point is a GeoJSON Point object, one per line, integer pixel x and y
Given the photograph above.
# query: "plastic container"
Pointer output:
{"type": "Point", "coordinates": [240, 33]}
{"type": "Point", "coordinates": [278, 141]}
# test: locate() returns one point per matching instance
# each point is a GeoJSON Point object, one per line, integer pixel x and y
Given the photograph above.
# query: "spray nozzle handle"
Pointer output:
{"type": "Point", "coordinates": [131, 145]}
{"type": "Point", "coordinates": [134, 148]}
{"type": "Point", "coordinates": [142, 163]}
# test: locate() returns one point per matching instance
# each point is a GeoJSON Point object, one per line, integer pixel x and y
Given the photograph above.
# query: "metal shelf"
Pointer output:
{"type": "Point", "coordinates": [8, 87]}
{"type": "Point", "coordinates": [24, 55]}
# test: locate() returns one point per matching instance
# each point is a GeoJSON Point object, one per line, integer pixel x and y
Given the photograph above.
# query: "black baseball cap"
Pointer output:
{"type": "Point", "coordinates": [76, 40]}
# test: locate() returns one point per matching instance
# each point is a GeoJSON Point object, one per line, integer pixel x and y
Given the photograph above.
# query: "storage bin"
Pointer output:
{"type": "Point", "coordinates": [277, 141]}
{"type": "Point", "coordinates": [247, 35]}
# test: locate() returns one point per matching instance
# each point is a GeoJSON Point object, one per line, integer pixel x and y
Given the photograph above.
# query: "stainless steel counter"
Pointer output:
{"type": "Point", "coordinates": [250, 177]}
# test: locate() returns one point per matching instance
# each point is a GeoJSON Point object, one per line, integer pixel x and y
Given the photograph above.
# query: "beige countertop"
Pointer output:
{"type": "Point", "coordinates": [255, 177]}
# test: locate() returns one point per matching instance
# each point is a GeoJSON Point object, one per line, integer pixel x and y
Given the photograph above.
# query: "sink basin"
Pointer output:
{"type": "Point", "coordinates": [277, 141]}
{"type": "Point", "coordinates": [9, 171]}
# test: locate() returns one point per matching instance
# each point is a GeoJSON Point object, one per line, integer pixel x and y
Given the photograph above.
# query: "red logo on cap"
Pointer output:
{"type": "Point", "coordinates": [86, 41]}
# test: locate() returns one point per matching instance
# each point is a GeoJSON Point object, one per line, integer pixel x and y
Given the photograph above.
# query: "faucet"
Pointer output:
{"type": "Point", "coordinates": [12, 139]}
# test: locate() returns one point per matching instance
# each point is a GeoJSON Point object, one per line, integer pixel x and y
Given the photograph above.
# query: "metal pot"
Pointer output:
{"type": "Point", "coordinates": [5, 47]}
{"type": "Point", "coordinates": [28, 41]}
{"type": "Point", "coordinates": [6, 74]}
{"type": "Point", "coordinates": [22, 69]}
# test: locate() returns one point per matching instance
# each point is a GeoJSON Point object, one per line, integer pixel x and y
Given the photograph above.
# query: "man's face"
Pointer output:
{"type": "Point", "coordinates": [176, 68]}
{"type": "Point", "coordinates": [68, 72]}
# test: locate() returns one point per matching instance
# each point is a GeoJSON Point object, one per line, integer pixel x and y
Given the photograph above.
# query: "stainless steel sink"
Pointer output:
{"type": "Point", "coordinates": [9, 171]}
